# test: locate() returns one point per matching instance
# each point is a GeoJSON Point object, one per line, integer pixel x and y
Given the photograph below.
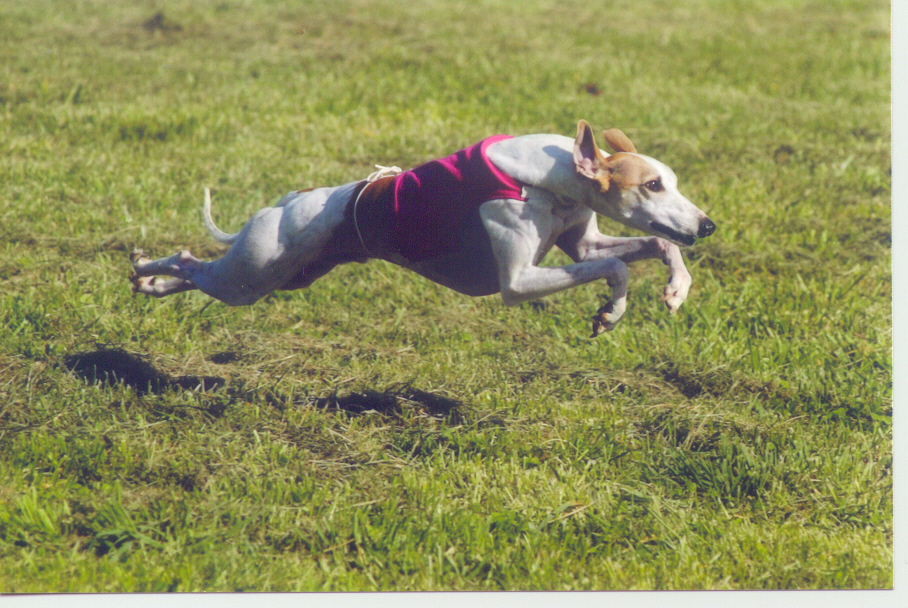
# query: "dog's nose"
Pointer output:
{"type": "Point", "coordinates": [706, 228]}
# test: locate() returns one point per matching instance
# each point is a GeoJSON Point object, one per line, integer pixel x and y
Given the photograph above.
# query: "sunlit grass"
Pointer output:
{"type": "Point", "coordinates": [379, 432]}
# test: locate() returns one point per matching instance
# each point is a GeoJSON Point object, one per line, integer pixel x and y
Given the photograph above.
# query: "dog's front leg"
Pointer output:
{"type": "Point", "coordinates": [584, 242]}
{"type": "Point", "coordinates": [520, 237]}
{"type": "Point", "coordinates": [679, 279]}
{"type": "Point", "coordinates": [631, 249]}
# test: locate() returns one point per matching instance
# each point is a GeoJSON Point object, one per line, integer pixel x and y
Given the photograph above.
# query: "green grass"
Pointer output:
{"type": "Point", "coordinates": [379, 432]}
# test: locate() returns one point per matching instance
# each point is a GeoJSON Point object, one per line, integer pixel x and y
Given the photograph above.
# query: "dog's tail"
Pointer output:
{"type": "Point", "coordinates": [216, 233]}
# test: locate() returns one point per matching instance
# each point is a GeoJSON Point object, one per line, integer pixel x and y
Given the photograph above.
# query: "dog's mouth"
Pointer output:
{"type": "Point", "coordinates": [684, 239]}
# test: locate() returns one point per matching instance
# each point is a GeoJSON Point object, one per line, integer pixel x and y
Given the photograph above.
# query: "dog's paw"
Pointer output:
{"type": "Point", "coordinates": [675, 291]}
{"type": "Point", "coordinates": [141, 284]}
{"type": "Point", "coordinates": [673, 300]}
{"type": "Point", "coordinates": [137, 257]}
{"type": "Point", "coordinates": [607, 317]}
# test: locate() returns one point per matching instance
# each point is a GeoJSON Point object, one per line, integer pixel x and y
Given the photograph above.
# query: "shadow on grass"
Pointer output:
{"type": "Point", "coordinates": [112, 366]}
{"type": "Point", "coordinates": [393, 402]}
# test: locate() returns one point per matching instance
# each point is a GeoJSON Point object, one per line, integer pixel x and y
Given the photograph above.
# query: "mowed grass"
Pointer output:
{"type": "Point", "coordinates": [377, 432]}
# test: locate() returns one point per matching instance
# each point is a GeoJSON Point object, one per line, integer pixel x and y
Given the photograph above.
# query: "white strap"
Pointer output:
{"type": "Point", "coordinates": [373, 177]}
{"type": "Point", "coordinates": [383, 172]}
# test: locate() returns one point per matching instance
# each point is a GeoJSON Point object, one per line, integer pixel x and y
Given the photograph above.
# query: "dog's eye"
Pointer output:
{"type": "Point", "coordinates": [654, 185]}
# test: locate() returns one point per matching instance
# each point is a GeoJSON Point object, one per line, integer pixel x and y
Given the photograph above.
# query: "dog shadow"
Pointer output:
{"type": "Point", "coordinates": [112, 366]}
{"type": "Point", "coordinates": [394, 402]}
{"type": "Point", "coordinates": [115, 366]}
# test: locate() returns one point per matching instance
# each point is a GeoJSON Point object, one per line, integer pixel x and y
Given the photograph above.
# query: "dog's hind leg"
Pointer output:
{"type": "Point", "coordinates": [223, 279]}
{"type": "Point", "coordinates": [282, 247]}
{"type": "Point", "coordinates": [152, 286]}
{"type": "Point", "coordinates": [144, 278]}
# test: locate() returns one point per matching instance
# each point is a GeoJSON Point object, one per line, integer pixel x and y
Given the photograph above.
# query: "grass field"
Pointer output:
{"type": "Point", "coordinates": [377, 432]}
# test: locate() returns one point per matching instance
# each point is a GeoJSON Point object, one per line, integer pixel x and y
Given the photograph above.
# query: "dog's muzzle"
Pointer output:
{"type": "Point", "coordinates": [707, 227]}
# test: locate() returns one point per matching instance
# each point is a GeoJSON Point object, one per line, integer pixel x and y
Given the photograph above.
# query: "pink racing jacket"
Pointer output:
{"type": "Point", "coordinates": [432, 201]}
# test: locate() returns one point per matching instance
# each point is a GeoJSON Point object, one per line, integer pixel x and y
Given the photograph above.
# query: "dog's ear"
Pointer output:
{"type": "Point", "coordinates": [587, 157]}
{"type": "Point", "coordinates": [618, 141]}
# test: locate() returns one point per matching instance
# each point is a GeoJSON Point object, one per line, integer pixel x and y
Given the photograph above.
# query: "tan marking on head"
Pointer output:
{"type": "Point", "coordinates": [623, 169]}
{"type": "Point", "coordinates": [618, 141]}
{"type": "Point", "coordinates": [627, 171]}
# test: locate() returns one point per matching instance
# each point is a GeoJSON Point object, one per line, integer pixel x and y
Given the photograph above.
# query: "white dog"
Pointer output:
{"type": "Point", "coordinates": [478, 221]}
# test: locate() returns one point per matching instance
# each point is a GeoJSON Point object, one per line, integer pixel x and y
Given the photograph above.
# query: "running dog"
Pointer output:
{"type": "Point", "coordinates": [478, 221]}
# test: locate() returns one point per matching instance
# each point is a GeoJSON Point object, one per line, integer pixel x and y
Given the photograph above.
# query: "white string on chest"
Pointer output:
{"type": "Point", "coordinates": [373, 177]}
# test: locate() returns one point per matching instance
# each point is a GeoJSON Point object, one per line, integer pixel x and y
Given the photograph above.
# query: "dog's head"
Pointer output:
{"type": "Point", "coordinates": [637, 190]}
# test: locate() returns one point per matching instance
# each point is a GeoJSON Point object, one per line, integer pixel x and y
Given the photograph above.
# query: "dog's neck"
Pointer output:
{"type": "Point", "coordinates": [542, 161]}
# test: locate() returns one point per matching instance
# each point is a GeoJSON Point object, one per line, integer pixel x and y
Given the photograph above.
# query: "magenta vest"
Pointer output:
{"type": "Point", "coordinates": [432, 201]}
